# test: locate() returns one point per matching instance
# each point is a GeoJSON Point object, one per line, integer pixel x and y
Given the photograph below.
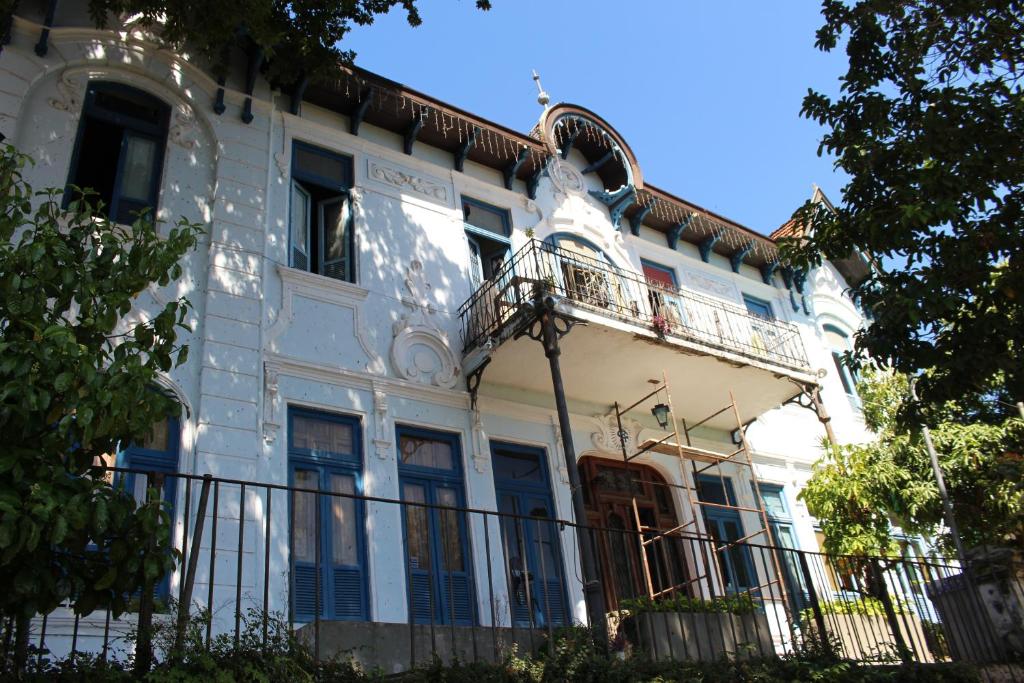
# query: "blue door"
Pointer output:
{"type": "Point", "coordinates": [324, 454]}
{"type": "Point", "coordinates": [437, 551]}
{"type": "Point", "coordinates": [784, 538]}
{"type": "Point", "coordinates": [725, 527]}
{"type": "Point", "coordinates": [529, 536]}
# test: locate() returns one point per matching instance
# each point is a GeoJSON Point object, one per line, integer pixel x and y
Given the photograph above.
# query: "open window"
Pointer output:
{"type": "Point", "coordinates": [487, 231]}
{"type": "Point", "coordinates": [119, 151]}
{"type": "Point", "coordinates": [321, 238]}
{"type": "Point", "coordinates": [839, 344]}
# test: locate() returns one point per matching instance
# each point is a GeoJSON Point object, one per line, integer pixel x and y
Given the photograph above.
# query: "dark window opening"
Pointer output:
{"type": "Point", "coordinates": [119, 150]}
{"type": "Point", "coordinates": [758, 307]}
{"type": "Point", "coordinates": [486, 217]}
{"type": "Point", "coordinates": [321, 236]}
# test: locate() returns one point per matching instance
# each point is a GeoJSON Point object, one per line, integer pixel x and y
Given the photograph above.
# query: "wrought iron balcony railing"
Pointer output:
{"type": "Point", "coordinates": [499, 308]}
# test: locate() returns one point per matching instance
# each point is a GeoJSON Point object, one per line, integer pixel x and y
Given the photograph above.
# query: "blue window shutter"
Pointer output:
{"type": "Point", "coordinates": [305, 592]}
{"type": "Point", "coordinates": [421, 599]}
{"type": "Point", "coordinates": [553, 605]}
{"type": "Point", "coordinates": [459, 597]}
{"type": "Point", "coordinates": [348, 594]}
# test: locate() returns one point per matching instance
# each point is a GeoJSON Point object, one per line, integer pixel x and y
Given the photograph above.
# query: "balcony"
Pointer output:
{"type": "Point", "coordinates": [636, 330]}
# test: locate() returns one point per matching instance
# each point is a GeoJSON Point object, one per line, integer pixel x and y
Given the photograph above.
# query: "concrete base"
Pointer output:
{"type": "Point", "coordinates": [701, 637]}
{"type": "Point", "coordinates": [388, 646]}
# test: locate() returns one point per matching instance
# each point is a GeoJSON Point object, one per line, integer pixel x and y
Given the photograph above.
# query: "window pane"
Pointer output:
{"type": "Point", "coordinates": [491, 219]}
{"type": "Point", "coordinates": [519, 466]}
{"type": "Point", "coordinates": [305, 516]}
{"type": "Point", "coordinates": [156, 440]}
{"type": "Point", "coordinates": [425, 452]}
{"type": "Point", "coordinates": [756, 307]}
{"type": "Point", "coordinates": [659, 275]}
{"type": "Point", "coordinates": [335, 221]}
{"type": "Point", "coordinates": [774, 502]}
{"type": "Point", "coordinates": [322, 436]}
{"type": "Point", "coordinates": [417, 526]}
{"type": "Point", "coordinates": [344, 523]}
{"type": "Point", "coordinates": [712, 491]}
{"type": "Point", "coordinates": [299, 222]}
{"type": "Point", "coordinates": [451, 538]}
{"type": "Point", "coordinates": [137, 168]}
{"type": "Point", "coordinates": [326, 167]}
{"type": "Point", "coordinates": [843, 371]}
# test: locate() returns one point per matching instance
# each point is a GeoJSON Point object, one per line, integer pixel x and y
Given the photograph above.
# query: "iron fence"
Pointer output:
{"type": "Point", "coordinates": [503, 304]}
{"type": "Point", "coordinates": [469, 584]}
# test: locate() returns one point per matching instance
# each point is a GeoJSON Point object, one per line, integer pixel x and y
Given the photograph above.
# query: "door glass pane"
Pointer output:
{"type": "Point", "coordinates": [305, 516]}
{"type": "Point", "coordinates": [417, 526]}
{"type": "Point", "coordinates": [156, 440]}
{"type": "Point", "coordinates": [344, 523]}
{"type": "Point", "coordinates": [544, 537]}
{"type": "Point", "coordinates": [450, 536]}
{"type": "Point", "coordinates": [476, 273]}
{"type": "Point", "coordinates": [321, 436]}
{"type": "Point", "coordinates": [334, 222]}
{"type": "Point", "coordinates": [518, 466]}
{"type": "Point", "coordinates": [299, 222]}
{"type": "Point", "coordinates": [425, 452]}
{"type": "Point", "coordinates": [137, 167]}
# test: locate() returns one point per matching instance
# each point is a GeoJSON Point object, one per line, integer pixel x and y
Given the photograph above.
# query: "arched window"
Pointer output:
{"type": "Point", "coordinates": [839, 343]}
{"type": "Point", "coordinates": [586, 271]}
{"type": "Point", "coordinates": [119, 151]}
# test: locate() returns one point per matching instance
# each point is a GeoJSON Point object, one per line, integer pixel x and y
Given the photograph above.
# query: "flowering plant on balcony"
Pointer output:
{"type": "Point", "coordinates": [661, 325]}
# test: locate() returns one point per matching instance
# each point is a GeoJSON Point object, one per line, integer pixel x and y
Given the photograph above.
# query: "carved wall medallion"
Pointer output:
{"type": "Point", "coordinates": [69, 94]}
{"type": "Point", "coordinates": [404, 180]}
{"type": "Point", "coordinates": [608, 439]}
{"type": "Point", "coordinates": [183, 131]}
{"type": "Point", "coordinates": [566, 178]}
{"type": "Point", "coordinates": [420, 350]}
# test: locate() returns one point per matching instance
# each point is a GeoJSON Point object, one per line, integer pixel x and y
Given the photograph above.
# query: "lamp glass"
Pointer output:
{"type": "Point", "coordinates": [660, 413]}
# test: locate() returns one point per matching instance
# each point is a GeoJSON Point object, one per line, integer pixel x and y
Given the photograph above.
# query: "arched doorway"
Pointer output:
{"type": "Point", "coordinates": [609, 489]}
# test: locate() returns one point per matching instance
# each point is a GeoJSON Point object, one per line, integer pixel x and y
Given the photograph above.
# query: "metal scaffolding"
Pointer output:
{"type": "Point", "coordinates": [708, 579]}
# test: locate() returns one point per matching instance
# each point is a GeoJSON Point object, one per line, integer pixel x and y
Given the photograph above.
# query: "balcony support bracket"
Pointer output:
{"type": "Point", "coordinates": [413, 130]}
{"type": "Point", "coordinates": [809, 397]}
{"type": "Point", "coordinates": [768, 271]}
{"type": "Point", "coordinates": [736, 260]}
{"type": "Point", "coordinates": [473, 382]}
{"type": "Point", "coordinates": [637, 219]}
{"type": "Point", "coordinates": [365, 99]}
{"type": "Point", "coordinates": [676, 231]}
{"type": "Point", "coordinates": [706, 245]}
{"type": "Point", "coordinates": [463, 152]}
{"type": "Point", "coordinates": [511, 169]}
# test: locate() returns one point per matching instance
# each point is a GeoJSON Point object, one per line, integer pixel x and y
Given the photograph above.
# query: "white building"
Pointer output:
{"type": "Point", "coordinates": [348, 225]}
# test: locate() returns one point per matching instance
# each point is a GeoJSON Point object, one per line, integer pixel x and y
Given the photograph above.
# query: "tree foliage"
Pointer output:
{"type": "Point", "coordinates": [297, 37]}
{"type": "Point", "coordinates": [929, 126]}
{"type": "Point", "coordinates": [857, 491]}
{"type": "Point", "coordinates": [77, 380]}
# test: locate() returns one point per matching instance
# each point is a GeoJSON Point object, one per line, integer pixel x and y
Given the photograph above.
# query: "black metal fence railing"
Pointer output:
{"type": "Point", "coordinates": [499, 308]}
{"type": "Point", "coordinates": [457, 582]}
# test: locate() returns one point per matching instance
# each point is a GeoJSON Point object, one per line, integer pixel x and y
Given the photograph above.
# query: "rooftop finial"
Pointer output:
{"type": "Point", "coordinates": [542, 97]}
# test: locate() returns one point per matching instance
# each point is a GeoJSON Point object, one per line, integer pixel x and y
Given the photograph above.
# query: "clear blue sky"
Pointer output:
{"type": "Point", "coordinates": [707, 94]}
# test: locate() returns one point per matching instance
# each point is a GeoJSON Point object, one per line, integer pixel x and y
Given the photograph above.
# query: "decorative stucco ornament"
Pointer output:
{"type": "Point", "coordinates": [69, 94]}
{"type": "Point", "coordinates": [608, 438]}
{"type": "Point", "coordinates": [565, 177]}
{"type": "Point", "coordinates": [420, 350]}
{"type": "Point", "coordinates": [183, 131]}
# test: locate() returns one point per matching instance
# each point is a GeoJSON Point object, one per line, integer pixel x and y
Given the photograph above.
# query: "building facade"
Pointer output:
{"type": "Point", "coordinates": [362, 325]}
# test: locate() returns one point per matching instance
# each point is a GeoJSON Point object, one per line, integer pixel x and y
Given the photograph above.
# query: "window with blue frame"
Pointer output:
{"type": "Point", "coordinates": [839, 342]}
{"type": "Point", "coordinates": [530, 539]}
{"type": "Point", "coordinates": [487, 232]}
{"type": "Point", "coordinates": [320, 231]}
{"type": "Point", "coordinates": [586, 271]}
{"type": "Point", "coordinates": [325, 455]}
{"type": "Point", "coordinates": [773, 499]}
{"type": "Point", "coordinates": [758, 307]}
{"type": "Point", "coordinates": [725, 527]}
{"type": "Point", "coordinates": [438, 562]}
{"type": "Point", "coordinates": [158, 454]}
{"type": "Point", "coordinates": [119, 150]}
{"type": "Point", "coordinates": [662, 294]}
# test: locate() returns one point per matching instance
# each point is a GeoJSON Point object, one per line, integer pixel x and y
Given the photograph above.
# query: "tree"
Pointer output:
{"type": "Point", "coordinates": [76, 382]}
{"type": "Point", "coordinates": [858, 491]}
{"type": "Point", "coordinates": [929, 126]}
{"type": "Point", "coordinates": [297, 39]}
